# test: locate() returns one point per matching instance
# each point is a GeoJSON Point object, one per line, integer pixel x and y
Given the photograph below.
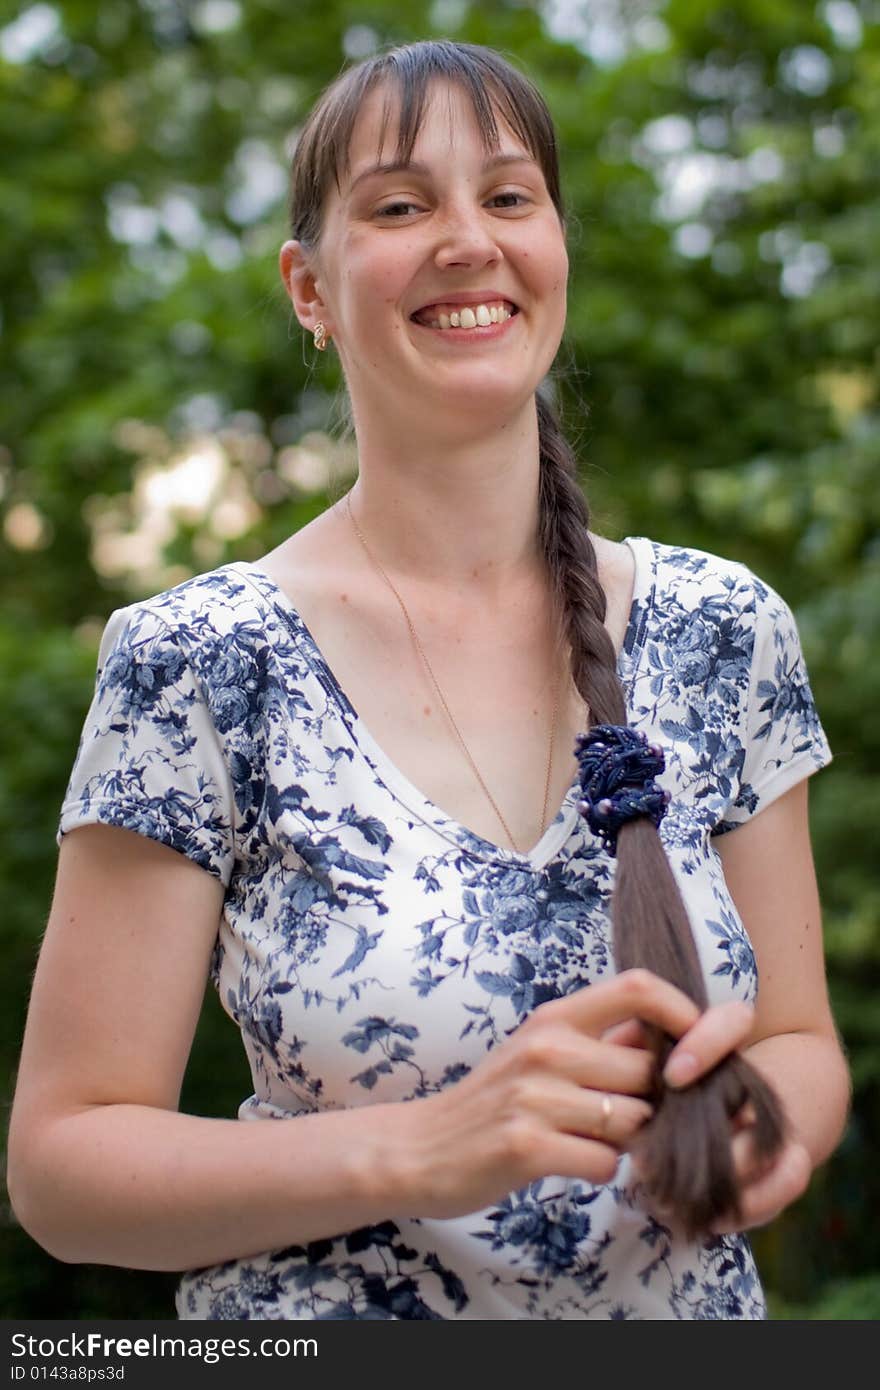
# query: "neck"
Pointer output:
{"type": "Point", "coordinates": [459, 514]}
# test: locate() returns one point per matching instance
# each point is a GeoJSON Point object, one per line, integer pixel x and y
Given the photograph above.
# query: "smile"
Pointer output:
{"type": "Point", "coordinates": [467, 316]}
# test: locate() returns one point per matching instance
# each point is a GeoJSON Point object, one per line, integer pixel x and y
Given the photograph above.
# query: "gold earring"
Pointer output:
{"type": "Point", "coordinates": [321, 336]}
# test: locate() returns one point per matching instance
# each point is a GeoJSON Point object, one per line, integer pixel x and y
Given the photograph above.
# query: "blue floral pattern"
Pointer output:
{"type": "Point", "coordinates": [371, 949]}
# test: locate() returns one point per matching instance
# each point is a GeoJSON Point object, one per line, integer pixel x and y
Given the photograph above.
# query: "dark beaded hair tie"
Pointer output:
{"type": "Point", "coordinates": [617, 767]}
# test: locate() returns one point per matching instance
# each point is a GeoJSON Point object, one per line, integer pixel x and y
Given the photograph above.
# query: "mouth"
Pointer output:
{"type": "Point", "coordinates": [445, 316]}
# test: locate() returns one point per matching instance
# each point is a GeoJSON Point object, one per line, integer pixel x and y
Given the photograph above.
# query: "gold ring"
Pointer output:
{"type": "Point", "coordinates": [607, 1112]}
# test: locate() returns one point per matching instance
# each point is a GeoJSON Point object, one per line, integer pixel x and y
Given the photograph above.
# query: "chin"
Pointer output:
{"type": "Point", "coordinates": [489, 384]}
{"type": "Point", "coordinates": [480, 398]}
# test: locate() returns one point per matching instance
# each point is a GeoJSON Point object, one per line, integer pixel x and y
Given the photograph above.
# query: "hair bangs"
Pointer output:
{"type": "Point", "coordinates": [496, 90]}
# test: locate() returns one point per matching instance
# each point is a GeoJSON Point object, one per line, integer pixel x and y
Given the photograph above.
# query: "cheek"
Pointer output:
{"type": "Point", "coordinates": [554, 268]}
{"type": "Point", "coordinates": [377, 273]}
{"type": "Point", "coordinates": [544, 265]}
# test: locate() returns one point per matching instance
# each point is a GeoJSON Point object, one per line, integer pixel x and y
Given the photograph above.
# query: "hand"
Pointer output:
{"type": "Point", "coordinates": [561, 1096]}
{"type": "Point", "coordinates": [723, 1028]}
{"type": "Point", "coordinates": [766, 1188]}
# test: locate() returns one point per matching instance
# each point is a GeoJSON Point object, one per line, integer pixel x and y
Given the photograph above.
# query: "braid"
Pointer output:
{"type": "Point", "coordinates": [684, 1150]}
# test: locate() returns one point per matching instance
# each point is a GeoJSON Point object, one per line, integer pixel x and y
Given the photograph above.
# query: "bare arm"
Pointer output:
{"type": "Point", "coordinates": [101, 1167]}
{"type": "Point", "coordinates": [768, 865]}
{"type": "Point", "coordinates": [792, 1039]}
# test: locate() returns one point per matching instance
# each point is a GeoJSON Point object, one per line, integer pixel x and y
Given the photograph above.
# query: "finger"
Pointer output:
{"type": "Point", "coordinates": [564, 1053]}
{"type": "Point", "coordinates": [632, 1033]}
{"type": "Point", "coordinates": [719, 1031]}
{"type": "Point", "coordinates": [632, 994]}
{"type": "Point", "coordinates": [571, 1156]}
{"type": "Point", "coordinates": [610, 1067]}
{"type": "Point", "coordinates": [745, 1116]}
{"type": "Point", "coordinates": [762, 1200]}
{"type": "Point", "coordinates": [610, 1118]}
{"type": "Point", "coordinates": [748, 1164]}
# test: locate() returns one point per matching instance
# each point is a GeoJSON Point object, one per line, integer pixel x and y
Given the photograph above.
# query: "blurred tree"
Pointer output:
{"type": "Point", "coordinates": [160, 416]}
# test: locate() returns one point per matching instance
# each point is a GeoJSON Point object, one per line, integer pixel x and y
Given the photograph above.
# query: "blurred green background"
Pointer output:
{"type": "Point", "coordinates": [159, 414]}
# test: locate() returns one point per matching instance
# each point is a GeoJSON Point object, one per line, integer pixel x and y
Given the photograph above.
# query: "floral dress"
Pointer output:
{"type": "Point", "coordinates": [372, 950]}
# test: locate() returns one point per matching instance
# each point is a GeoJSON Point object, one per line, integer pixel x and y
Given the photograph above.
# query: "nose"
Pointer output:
{"type": "Point", "coordinates": [467, 238]}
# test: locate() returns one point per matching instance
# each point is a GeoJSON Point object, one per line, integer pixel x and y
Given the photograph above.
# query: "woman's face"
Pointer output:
{"type": "Point", "coordinates": [404, 250]}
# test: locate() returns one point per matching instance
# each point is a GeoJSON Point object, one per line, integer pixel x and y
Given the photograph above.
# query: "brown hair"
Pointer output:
{"type": "Point", "coordinates": [684, 1150]}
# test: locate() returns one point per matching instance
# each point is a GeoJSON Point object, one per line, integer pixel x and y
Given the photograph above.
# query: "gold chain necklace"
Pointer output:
{"type": "Point", "coordinates": [465, 748]}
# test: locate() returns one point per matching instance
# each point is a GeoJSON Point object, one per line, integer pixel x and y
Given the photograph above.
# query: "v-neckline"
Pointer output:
{"type": "Point", "coordinates": [396, 781]}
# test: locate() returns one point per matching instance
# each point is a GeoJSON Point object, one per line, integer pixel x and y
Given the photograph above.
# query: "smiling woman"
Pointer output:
{"type": "Point", "coordinates": [483, 826]}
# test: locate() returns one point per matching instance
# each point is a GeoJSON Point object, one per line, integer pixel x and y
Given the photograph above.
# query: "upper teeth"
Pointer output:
{"type": "Point", "coordinates": [471, 316]}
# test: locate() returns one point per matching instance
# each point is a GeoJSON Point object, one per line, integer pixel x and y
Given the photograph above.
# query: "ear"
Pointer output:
{"type": "Point", "coordinates": [298, 274]}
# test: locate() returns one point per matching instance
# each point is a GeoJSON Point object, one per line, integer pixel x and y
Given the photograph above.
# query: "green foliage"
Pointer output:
{"type": "Point", "coordinates": [721, 375]}
{"type": "Point", "coordinates": [851, 1300]}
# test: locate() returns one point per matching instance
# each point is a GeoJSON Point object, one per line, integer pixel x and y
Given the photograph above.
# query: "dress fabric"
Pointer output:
{"type": "Point", "coordinates": [371, 949]}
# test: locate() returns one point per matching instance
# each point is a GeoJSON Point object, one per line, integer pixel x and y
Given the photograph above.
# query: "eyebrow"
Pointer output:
{"type": "Point", "coordinates": [397, 166]}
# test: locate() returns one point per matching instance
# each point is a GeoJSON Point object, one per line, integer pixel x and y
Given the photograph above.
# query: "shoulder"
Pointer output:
{"type": "Point", "coordinates": [697, 566]}
{"type": "Point", "coordinates": [208, 605]}
{"type": "Point", "coordinates": [213, 641]}
{"type": "Point", "coordinates": [213, 597]}
{"type": "Point", "coordinates": [214, 628]}
{"type": "Point", "coordinates": [687, 575]}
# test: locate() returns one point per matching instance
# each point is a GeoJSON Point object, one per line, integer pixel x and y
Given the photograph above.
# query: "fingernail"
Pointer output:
{"type": "Point", "coordinates": [680, 1069]}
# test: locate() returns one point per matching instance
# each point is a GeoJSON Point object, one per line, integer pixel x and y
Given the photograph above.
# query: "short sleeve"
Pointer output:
{"type": "Point", "coordinates": [782, 738]}
{"type": "Point", "coordinates": [150, 758]}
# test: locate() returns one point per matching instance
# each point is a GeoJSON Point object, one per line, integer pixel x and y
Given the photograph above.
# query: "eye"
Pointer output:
{"type": "Point", "coordinates": [509, 199]}
{"type": "Point", "coordinates": [393, 211]}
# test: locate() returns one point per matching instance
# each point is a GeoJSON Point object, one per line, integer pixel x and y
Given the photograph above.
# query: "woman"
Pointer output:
{"type": "Point", "coordinates": [464, 1130]}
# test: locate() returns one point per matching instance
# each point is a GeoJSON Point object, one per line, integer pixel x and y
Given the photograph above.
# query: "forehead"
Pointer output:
{"type": "Point", "coordinates": [448, 123]}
